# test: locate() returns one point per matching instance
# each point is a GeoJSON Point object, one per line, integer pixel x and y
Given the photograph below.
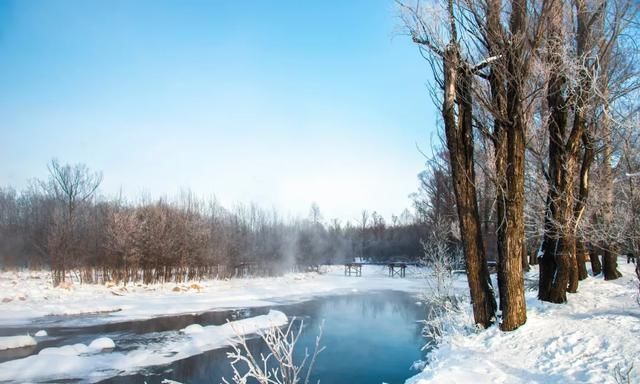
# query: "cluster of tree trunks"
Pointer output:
{"type": "Point", "coordinates": [532, 72]}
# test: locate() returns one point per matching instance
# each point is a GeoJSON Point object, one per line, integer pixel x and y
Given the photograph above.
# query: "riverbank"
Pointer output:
{"type": "Point", "coordinates": [590, 339]}
{"type": "Point", "coordinates": [29, 295]}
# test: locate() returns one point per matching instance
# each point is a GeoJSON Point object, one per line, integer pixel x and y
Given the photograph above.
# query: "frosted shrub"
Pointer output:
{"type": "Point", "coordinates": [440, 259]}
{"type": "Point", "coordinates": [279, 365]}
{"type": "Point", "coordinates": [443, 305]}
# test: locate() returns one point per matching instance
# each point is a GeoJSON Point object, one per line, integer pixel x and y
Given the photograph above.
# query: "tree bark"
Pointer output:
{"type": "Point", "coordinates": [581, 257]}
{"type": "Point", "coordinates": [610, 265]}
{"type": "Point", "coordinates": [588, 157]}
{"type": "Point", "coordinates": [561, 275]}
{"type": "Point", "coordinates": [556, 264]}
{"type": "Point", "coordinates": [505, 79]}
{"type": "Point", "coordinates": [459, 134]}
{"type": "Point", "coordinates": [609, 256]}
{"type": "Point", "coordinates": [596, 265]}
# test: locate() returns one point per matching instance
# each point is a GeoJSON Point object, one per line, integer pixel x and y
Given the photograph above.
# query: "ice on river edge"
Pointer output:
{"type": "Point", "coordinates": [86, 362]}
{"type": "Point", "coordinates": [11, 342]}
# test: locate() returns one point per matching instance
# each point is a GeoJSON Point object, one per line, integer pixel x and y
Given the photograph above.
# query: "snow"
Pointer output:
{"type": "Point", "coordinates": [86, 362]}
{"type": "Point", "coordinates": [137, 301]}
{"type": "Point", "coordinates": [41, 333]}
{"type": "Point", "coordinates": [101, 344]}
{"type": "Point", "coordinates": [11, 342]}
{"type": "Point", "coordinates": [583, 341]}
{"type": "Point", "coordinates": [193, 328]}
{"type": "Point", "coordinates": [65, 350]}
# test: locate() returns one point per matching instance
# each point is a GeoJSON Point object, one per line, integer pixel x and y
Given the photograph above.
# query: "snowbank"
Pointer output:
{"type": "Point", "coordinates": [583, 341]}
{"type": "Point", "coordinates": [81, 361]}
{"type": "Point", "coordinates": [65, 350]}
{"type": "Point", "coordinates": [11, 342]}
{"type": "Point", "coordinates": [138, 301]}
{"type": "Point", "coordinates": [101, 344]}
{"type": "Point", "coordinates": [193, 328]}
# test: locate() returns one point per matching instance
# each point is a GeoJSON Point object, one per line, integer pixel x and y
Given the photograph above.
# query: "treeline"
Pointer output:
{"type": "Point", "coordinates": [61, 224]}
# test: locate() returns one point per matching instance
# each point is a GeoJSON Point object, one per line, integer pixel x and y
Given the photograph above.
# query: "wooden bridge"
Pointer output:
{"type": "Point", "coordinates": [396, 268]}
{"type": "Point", "coordinates": [355, 268]}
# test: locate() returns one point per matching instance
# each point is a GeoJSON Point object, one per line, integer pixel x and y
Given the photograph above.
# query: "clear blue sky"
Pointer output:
{"type": "Point", "coordinates": [282, 103]}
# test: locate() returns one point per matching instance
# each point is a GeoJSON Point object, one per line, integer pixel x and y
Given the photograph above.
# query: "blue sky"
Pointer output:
{"type": "Point", "coordinates": [282, 103]}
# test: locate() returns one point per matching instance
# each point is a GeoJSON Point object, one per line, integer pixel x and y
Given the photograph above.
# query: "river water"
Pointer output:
{"type": "Point", "coordinates": [371, 337]}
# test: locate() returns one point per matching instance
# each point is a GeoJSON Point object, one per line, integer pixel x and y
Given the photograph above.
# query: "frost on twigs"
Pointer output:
{"type": "Point", "coordinates": [279, 365]}
{"type": "Point", "coordinates": [445, 312]}
{"type": "Point", "coordinates": [441, 259]}
{"type": "Point", "coordinates": [622, 373]}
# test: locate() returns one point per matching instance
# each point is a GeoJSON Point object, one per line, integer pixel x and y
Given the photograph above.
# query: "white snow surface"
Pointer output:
{"type": "Point", "coordinates": [11, 342]}
{"type": "Point", "coordinates": [30, 294]}
{"type": "Point", "coordinates": [584, 341]}
{"type": "Point", "coordinates": [193, 328]}
{"type": "Point", "coordinates": [88, 363]}
{"type": "Point", "coordinates": [101, 344]}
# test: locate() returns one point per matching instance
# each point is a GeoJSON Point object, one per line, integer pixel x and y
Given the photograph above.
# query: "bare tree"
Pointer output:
{"type": "Point", "coordinates": [456, 82]}
{"type": "Point", "coordinates": [71, 185]}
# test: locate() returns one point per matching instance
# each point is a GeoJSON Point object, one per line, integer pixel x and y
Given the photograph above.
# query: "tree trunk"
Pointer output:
{"type": "Point", "coordinates": [561, 275]}
{"type": "Point", "coordinates": [596, 265]}
{"type": "Point", "coordinates": [459, 134]}
{"type": "Point", "coordinates": [581, 257]}
{"type": "Point", "coordinates": [609, 256]}
{"type": "Point", "coordinates": [509, 131]}
{"type": "Point", "coordinates": [588, 157]}
{"type": "Point", "coordinates": [610, 265]}
{"type": "Point", "coordinates": [525, 259]}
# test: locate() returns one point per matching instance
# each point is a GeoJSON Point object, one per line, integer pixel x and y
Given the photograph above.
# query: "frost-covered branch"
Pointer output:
{"type": "Point", "coordinates": [279, 365]}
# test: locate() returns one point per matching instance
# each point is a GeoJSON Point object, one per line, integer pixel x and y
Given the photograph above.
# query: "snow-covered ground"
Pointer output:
{"type": "Point", "coordinates": [95, 361]}
{"type": "Point", "coordinates": [585, 341]}
{"type": "Point", "coordinates": [25, 296]}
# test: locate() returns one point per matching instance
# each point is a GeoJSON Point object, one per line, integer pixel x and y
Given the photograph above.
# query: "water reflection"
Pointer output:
{"type": "Point", "coordinates": [370, 338]}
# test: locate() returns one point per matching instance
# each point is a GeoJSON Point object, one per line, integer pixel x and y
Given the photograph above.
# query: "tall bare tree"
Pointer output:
{"type": "Point", "coordinates": [71, 185]}
{"type": "Point", "coordinates": [457, 112]}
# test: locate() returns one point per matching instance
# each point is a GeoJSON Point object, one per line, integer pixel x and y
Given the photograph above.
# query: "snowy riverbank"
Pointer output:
{"type": "Point", "coordinates": [25, 296]}
{"type": "Point", "coordinates": [584, 341]}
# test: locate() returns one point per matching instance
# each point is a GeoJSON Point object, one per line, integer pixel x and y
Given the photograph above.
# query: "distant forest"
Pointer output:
{"type": "Point", "coordinates": [62, 223]}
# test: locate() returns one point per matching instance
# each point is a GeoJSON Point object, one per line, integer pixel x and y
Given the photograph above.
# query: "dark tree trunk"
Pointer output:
{"type": "Point", "coordinates": [459, 134]}
{"type": "Point", "coordinates": [596, 265]}
{"type": "Point", "coordinates": [561, 275]}
{"type": "Point", "coordinates": [581, 256]}
{"type": "Point", "coordinates": [509, 141]}
{"type": "Point", "coordinates": [525, 259]}
{"type": "Point", "coordinates": [610, 265]}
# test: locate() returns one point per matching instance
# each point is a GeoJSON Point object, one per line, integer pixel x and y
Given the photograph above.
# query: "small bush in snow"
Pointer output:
{"type": "Point", "coordinates": [279, 365]}
{"type": "Point", "coordinates": [445, 312]}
